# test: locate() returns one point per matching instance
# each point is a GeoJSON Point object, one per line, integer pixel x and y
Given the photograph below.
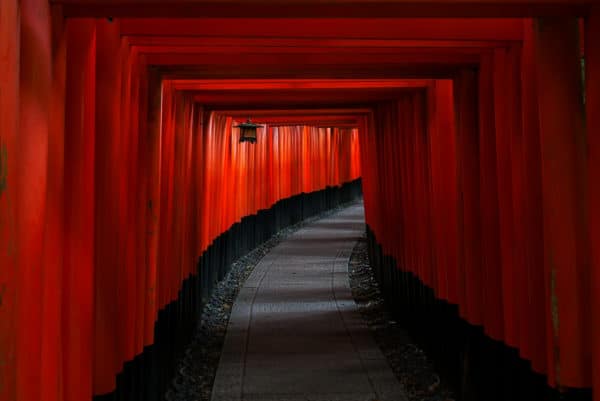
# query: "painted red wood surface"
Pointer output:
{"type": "Point", "coordinates": [107, 343]}
{"type": "Point", "coordinates": [466, 106]}
{"type": "Point", "coordinates": [197, 164]}
{"type": "Point", "coordinates": [592, 88]}
{"type": "Point", "coordinates": [507, 228]}
{"type": "Point", "coordinates": [78, 259]}
{"type": "Point", "coordinates": [114, 198]}
{"type": "Point", "coordinates": [563, 155]}
{"type": "Point", "coordinates": [113, 182]}
{"type": "Point", "coordinates": [488, 196]}
{"type": "Point", "coordinates": [54, 249]}
{"type": "Point", "coordinates": [9, 126]}
{"type": "Point", "coordinates": [537, 307]}
{"type": "Point", "coordinates": [30, 185]}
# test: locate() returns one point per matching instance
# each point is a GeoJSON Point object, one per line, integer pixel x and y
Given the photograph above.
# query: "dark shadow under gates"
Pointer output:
{"type": "Point", "coordinates": [147, 377]}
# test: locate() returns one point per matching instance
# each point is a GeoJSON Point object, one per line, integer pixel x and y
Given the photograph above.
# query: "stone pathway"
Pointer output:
{"type": "Point", "coordinates": [295, 333]}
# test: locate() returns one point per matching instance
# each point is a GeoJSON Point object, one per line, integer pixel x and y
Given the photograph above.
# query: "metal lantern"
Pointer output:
{"type": "Point", "coordinates": [247, 131]}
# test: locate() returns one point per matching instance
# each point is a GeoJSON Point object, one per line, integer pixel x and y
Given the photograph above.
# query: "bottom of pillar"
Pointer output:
{"type": "Point", "coordinates": [147, 376]}
{"type": "Point", "coordinates": [475, 366]}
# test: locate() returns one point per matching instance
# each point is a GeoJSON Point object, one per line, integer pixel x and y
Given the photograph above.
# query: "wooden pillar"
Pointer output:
{"type": "Point", "coordinates": [444, 184]}
{"type": "Point", "coordinates": [532, 219]}
{"type": "Point", "coordinates": [592, 90]}
{"type": "Point", "coordinates": [503, 131]}
{"type": "Point", "coordinates": [78, 270]}
{"type": "Point", "coordinates": [518, 286]}
{"type": "Point", "coordinates": [396, 178]}
{"type": "Point", "coordinates": [107, 349]}
{"type": "Point", "coordinates": [153, 143]}
{"type": "Point", "coordinates": [35, 82]}
{"type": "Point", "coordinates": [167, 158]}
{"type": "Point", "coordinates": [141, 170]}
{"type": "Point", "coordinates": [138, 204]}
{"type": "Point", "coordinates": [422, 147]}
{"type": "Point", "coordinates": [127, 193]}
{"type": "Point", "coordinates": [563, 156]}
{"type": "Point", "coordinates": [9, 127]}
{"type": "Point", "coordinates": [52, 302]}
{"type": "Point", "coordinates": [490, 225]}
{"type": "Point", "coordinates": [179, 195]}
{"type": "Point", "coordinates": [469, 218]}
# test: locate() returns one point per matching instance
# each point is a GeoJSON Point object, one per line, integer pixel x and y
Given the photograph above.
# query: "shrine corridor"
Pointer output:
{"type": "Point", "coordinates": [147, 145]}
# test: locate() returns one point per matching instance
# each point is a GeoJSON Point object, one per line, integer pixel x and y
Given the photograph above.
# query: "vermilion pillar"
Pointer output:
{"type": "Point", "coordinates": [518, 286]}
{"type": "Point", "coordinates": [532, 218]}
{"type": "Point", "coordinates": [424, 178]}
{"type": "Point", "coordinates": [54, 247]}
{"type": "Point", "coordinates": [592, 58]}
{"type": "Point", "coordinates": [436, 134]}
{"type": "Point", "coordinates": [166, 197]}
{"type": "Point", "coordinates": [563, 156]}
{"type": "Point", "coordinates": [198, 142]}
{"type": "Point", "coordinates": [503, 132]}
{"type": "Point", "coordinates": [108, 336]}
{"type": "Point", "coordinates": [9, 125]}
{"type": "Point", "coordinates": [444, 183]}
{"type": "Point", "coordinates": [142, 177]}
{"type": "Point", "coordinates": [152, 201]}
{"type": "Point", "coordinates": [467, 133]}
{"type": "Point", "coordinates": [128, 190]}
{"type": "Point", "coordinates": [78, 269]}
{"type": "Point", "coordinates": [490, 229]}
{"type": "Point", "coordinates": [30, 183]}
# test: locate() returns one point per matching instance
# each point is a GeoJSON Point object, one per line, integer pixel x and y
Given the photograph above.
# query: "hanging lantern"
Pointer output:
{"type": "Point", "coordinates": [247, 131]}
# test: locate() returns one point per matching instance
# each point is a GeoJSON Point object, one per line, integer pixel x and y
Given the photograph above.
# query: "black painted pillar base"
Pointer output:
{"type": "Point", "coordinates": [147, 377]}
{"type": "Point", "coordinates": [476, 367]}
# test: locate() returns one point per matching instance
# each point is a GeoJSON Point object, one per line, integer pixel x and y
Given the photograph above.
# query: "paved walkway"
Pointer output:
{"type": "Point", "coordinates": [295, 333]}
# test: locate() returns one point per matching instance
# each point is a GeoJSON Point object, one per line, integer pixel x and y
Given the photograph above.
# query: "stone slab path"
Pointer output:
{"type": "Point", "coordinates": [295, 333]}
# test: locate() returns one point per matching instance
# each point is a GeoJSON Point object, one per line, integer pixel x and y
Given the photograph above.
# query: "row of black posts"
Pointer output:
{"type": "Point", "coordinates": [147, 377]}
{"type": "Point", "coordinates": [473, 365]}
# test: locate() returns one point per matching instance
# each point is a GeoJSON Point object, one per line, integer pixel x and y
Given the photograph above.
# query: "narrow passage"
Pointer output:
{"type": "Point", "coordinates": [295, 333]}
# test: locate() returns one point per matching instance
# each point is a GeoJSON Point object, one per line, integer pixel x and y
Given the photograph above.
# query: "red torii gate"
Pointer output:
{"type": "Point", "coordinates": [63, 80]}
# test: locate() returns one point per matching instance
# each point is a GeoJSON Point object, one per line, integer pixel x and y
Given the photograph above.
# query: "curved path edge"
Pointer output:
{"type": "Point", "coordinates": [295, 332]}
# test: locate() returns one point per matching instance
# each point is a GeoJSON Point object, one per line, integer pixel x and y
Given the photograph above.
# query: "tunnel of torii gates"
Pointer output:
{"type": "Point", "coordinates": [125, 193]}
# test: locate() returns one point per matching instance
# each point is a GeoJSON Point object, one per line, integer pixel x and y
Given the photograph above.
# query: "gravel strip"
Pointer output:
{"type": "Point", "coordinates": [410, 364]}
{"type": "Point", "coordinates": [196, 371]}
